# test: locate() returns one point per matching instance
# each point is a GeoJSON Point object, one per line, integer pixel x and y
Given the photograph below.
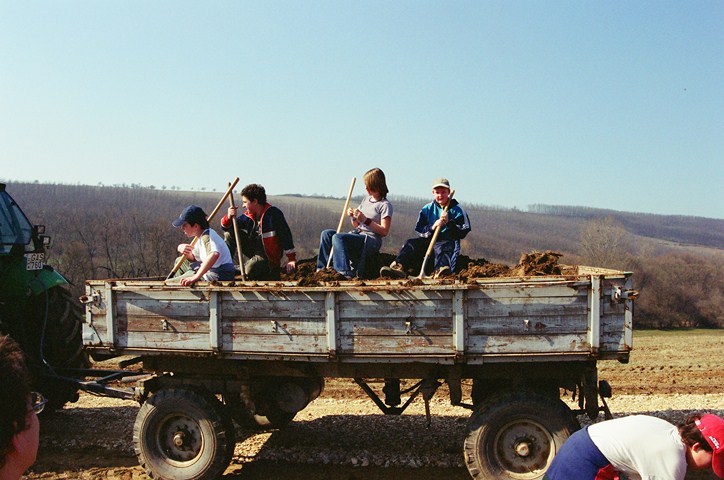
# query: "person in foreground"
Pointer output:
{"type": "Point", "coordinates": [19, 424]}
{"type": "Point", "coordinates": [372, 221]}
{"type": "Point", "coordinates": [264, 236]}
{"type": "Point", "coordinates": [454, 225]}
{"type": "Point", "coordinates": [209, 259]}
{"type": "Point", "coordinates": [641, 447]}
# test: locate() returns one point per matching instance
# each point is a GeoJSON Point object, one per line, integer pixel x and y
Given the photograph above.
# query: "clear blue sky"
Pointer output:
{"type": "Point", "coordinates": [612, 104]}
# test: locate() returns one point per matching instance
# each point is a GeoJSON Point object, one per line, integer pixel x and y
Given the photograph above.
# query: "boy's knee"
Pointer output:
{"type": "Point", "coordinates": [257, 268]}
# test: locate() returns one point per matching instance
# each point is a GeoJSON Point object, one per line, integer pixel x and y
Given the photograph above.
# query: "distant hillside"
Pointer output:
{"type": "Point", "coordinates": [503, 234]}
{"type": "Point", "coordinates": [498, 234]}
{"type": "Point", "coordinates": [101, 232]}
{"type": "Point", "coordinates": [692, 230]}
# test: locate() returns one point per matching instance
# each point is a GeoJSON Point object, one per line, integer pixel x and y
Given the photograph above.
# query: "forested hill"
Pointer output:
{"type": "Point", "coordinates": [101, 232]}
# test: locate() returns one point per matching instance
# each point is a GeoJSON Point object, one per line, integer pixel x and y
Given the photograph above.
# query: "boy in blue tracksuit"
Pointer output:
{"type": "Point", "coordinates": [454, 226]}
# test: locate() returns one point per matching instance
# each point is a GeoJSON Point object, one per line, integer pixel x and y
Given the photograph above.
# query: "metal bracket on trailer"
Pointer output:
{"type": "Point", "coordinates": [427, 387]}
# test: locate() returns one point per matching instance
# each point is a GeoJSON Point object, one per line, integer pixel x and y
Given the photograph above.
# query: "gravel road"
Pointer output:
{"type": "Point", "coordinates": [92, 439]}
{"type": "Point", "coordinates": [343, 436]}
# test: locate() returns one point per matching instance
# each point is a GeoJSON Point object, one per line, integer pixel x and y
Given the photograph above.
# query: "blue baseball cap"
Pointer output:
{"type": "Point", "coordinates": [191, 214]}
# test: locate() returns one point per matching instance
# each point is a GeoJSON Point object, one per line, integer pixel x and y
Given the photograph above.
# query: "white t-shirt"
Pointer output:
{"type": "Point", "coordinates": [375, 210]}
{"type": "Point", "coordinates": [209, 244]}
{"type": "Point", "coordinates": [641, 447]}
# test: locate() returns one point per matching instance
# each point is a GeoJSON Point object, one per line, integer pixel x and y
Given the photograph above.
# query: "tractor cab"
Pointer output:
{"type": "Point", "coordinates": [18, 236]}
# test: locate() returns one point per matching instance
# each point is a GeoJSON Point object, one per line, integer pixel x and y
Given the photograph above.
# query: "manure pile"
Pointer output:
{"type": "Point", "coordinates": [530, 264]}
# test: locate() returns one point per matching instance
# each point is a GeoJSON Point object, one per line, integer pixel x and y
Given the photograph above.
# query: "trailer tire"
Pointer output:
{"type": "Point", "coordinates": [516, 436]}
{"type": "Point", "coordinates": [183, 434]}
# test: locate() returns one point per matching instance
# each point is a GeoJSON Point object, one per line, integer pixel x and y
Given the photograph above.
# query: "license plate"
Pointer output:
{"type": "Point", "coordinates": [34, 261]}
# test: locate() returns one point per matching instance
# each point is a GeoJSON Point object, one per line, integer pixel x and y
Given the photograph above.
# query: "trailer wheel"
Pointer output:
{"type": "Point", "coordinates": [183, 435]}
{"type": "Point", "coordinates": [516, 436]}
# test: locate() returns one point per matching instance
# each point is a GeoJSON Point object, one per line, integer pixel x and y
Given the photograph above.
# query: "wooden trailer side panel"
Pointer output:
{"type": "Point", "coordinates": [395, 322]}
{"type": "Point", "coordinates": [433, 322]}
{"type": "Point", "coordinates": [283, 322]}
{"type": "Point", "coordinates": [520, 320]}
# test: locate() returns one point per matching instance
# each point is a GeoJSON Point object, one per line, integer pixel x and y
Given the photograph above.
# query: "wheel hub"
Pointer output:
{"type": "Point", "coordinates": [180, 438]}
{"type": "Point", "coordinates": [523, 448]}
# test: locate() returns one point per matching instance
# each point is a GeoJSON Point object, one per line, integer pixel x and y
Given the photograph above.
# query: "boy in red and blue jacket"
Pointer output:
{"type": "Point", "coordinates": [265, 236]}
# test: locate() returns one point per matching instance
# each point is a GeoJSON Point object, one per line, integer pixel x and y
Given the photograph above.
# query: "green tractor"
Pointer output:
{"type": "Point", "coordinates": [36, 307]}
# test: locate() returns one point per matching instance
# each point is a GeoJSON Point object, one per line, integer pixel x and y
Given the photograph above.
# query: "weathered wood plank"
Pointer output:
{"type": "Point", "coordinates": [151, 323]}
{"type": "Point", "coordinates": [528, 325]}
{"type": "Point", "coordinates": [274, 343]}
{"type": "Point", "coordinates": [148, 307]}
{"type": "Point", "coordinates": [386, 326]}
{"type": "Point", "coordinates": [266, 304]}
{"type": "Point", "coordinates": [163, 341]}
{"type": "Point", "coordinates": [280, 295]}
{"type": "Point", "coordinates": [254, 326]}
{"type": "Point", "coordinates": [518, 344]}
{"type": "Point", "coordinates": [527, 290]}
{"type": "Point", "coordinates": [393, 304]}
{"type": "Point", "coordinates": [488, 310]}
{"type": "Point", "coordinates": [396, 345]}
{"type": "Point", "coordinates": [393, 309]}
{"type": "Point", "coordinates": [429, 297]}
{"type": "Point", "coordinates": [163, 295]}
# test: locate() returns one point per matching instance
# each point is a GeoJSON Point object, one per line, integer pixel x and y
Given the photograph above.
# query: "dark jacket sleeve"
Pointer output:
{"type": "Point", "coordinates": [244, 223]}
{"type": "Point", "coordinates": [459, 225]}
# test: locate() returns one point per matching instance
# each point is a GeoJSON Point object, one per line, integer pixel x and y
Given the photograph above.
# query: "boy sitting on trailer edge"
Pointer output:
{"type": "Point", "coordinates": [208, 258]}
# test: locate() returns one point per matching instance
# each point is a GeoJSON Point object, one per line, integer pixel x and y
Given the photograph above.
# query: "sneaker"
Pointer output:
{"type": "Point", "coordinates": [443, 271]}
{"type": "Point", "coordinates": [395, 270]}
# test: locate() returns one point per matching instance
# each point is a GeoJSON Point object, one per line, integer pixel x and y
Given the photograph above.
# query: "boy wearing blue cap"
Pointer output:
{"type": "Point", "coordinates": [209, 258]}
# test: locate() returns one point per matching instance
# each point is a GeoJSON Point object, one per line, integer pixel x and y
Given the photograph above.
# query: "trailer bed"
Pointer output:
{"type": "Point", "coordinates": [583, 316]}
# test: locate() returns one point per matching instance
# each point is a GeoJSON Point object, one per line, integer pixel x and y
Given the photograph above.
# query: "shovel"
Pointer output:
{"type": "Point", "coordinates": [211, 215]}
{"type": "Point", "coordinates": [434, 237]}
{"type": "Point", "coordinates": [341, 220]}
{"type": "Point", "coordinates": [236, 237]}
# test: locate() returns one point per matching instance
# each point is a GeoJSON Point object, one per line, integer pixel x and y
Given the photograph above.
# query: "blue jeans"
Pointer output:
{"type": "Point", "coordinates": [578, 459]}
{"type": "Point", "coordinates": [187, 269]}
{"type": "Point", "coordinates": [444, 252]}
{"type": "Point", "coordinates": [348, 251]}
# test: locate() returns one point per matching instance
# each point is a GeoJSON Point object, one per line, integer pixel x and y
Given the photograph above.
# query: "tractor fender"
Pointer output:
{"type": "Point", "coordinates": [45, 279]}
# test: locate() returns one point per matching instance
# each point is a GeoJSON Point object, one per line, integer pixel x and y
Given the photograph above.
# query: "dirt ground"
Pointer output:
{"type": "Point", "coordinates": [342, 436]}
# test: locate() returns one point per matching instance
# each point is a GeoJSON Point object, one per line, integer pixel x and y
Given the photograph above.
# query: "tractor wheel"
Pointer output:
{"type": "Point", "coordinates": [516, 436]}
{"type": "Point", "coordinates": [52, 338]}
{"type": "Point", "coordinates": [183, 434]}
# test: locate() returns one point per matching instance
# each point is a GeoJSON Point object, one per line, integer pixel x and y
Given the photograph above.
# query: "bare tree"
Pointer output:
{"type": "Point", "coordinates": [605, 243]}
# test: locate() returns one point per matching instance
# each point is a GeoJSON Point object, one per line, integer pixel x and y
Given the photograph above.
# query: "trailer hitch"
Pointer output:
{"type": "Point", "coordinates": [99, 386]}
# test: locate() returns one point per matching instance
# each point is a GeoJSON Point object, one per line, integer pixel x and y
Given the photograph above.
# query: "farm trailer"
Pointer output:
{"type": "Point", "coordinates": [258, 353]}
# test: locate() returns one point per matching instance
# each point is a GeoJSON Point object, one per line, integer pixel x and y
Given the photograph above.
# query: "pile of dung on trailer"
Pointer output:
{"type": "Point", "coordinates": [530, 264]}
